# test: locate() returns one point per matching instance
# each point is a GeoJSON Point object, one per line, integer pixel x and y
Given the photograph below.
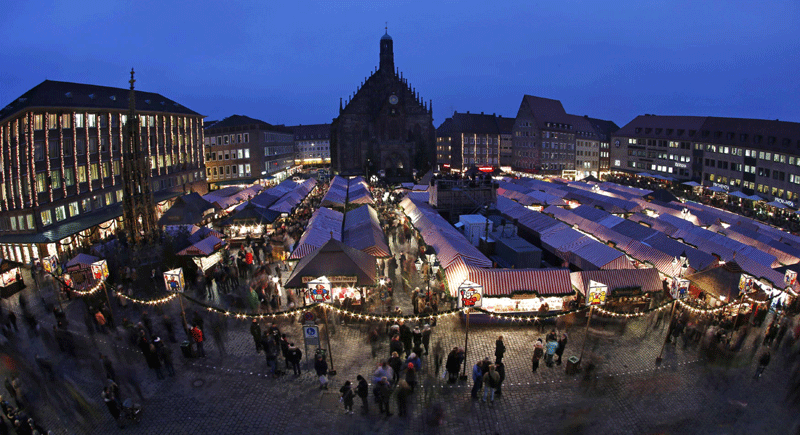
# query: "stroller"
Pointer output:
{"type": "Point", "coordinates": [130, 411]}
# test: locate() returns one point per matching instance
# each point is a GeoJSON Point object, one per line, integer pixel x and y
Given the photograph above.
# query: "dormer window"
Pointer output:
{"type": "Point", "coordinates": [91, 96]}
{"type": "Point", "coordinates": [658, 131]}
{"type": "Point", "coordinates": [68, 94]}
{"type": "Point", "coordinates": [647, 130]}
{"type": "Point", "coordinates": [113, 98]}
{"type": "Point", "coordinates": [692, 132]}
{"type": "Point", "coordinates": [681, 131]}
{"type": "Point", "coordinates": [147, 101]}
{"type": "Point", "coordinates": [638, 129]}
{"type": "Point", "coordinates": [669, 132]}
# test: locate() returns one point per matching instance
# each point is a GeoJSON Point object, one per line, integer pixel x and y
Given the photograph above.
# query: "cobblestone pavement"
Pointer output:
{"type": "Point", "coordinates": [229, 391]}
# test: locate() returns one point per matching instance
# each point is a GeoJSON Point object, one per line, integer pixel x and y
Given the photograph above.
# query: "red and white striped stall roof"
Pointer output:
{"type": "Point", "coordinates": [647, 279]}
{"type": "Point", "coordinates": [504, 282]}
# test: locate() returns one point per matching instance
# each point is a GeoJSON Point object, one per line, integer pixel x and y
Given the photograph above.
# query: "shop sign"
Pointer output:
{"type": "Point", "coordinates": [791, 278]}
{"type": "Point", "coordinates": [597, 293]}
{"type": "Point", "coordinates": [470, 295]}
{"type": "Point", "coordinates": [337, 279]}
{"type": "Point", "coordinates": [680, 165]}
{"type": "Point", "coordinates": [173, 279]}
{"type": "Point", "coordinates": [721, 186]}
{"type": "Point", "coordinates": [50, 264]}
{"type": "Point", "coordinates": [486, 168]}
{"type": "Point", "coordinates": [100, 270]}
{"type": "Point", "coordinates": [746, 284]}
{"type": "Point", "coordinates": [785, 202]}
{"type": "Point", "coordinates": [679, 288]}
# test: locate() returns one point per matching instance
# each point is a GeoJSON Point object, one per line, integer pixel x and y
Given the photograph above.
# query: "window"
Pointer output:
{"type": "Point", "coordinates": [241, 169]}
{"type": "Point", "coordinates": [119, 195]}
{"type": "Point", "coordinates": [81, 174]}
{"type": "Point", "coordinates": [246, 137]}
{"type": "Point", "coordinates": [92, 145]}
{"type": "Point", "coordinates": [41, 182]}
{"type": "Point", "coordinates": [66, 121]}
{"type": "Point", "coordinates": [38, 150]}
{"type": "Point", "coordinates": [69, 177]}
{"type": "Point", "coordinates": [79, 144]}
{"type": "Point", "coordinates": [54, 154]}
{"type": "Point", "coordinates": [240, 153]}
{"type": "Point", "coordinates": [73, 209]}
{"type": "Point", "coordinates": [91, 120]}
{"type": "Point", "coordinates": [103, 144]}
{"type": "Point", "coordinates": [115, 168]}
{"type": "Point", "coordinates": [67, 147]}
{"type": "Point", "coordinates": [105, 169]}
{"type": "Point", "coordinates": [13, 223]}
{"type": "Point", "coordinates": [93, 172]}
{"type": "Point", "coordinates": [61, 213]}
{"type": "Point", "coordinates": [55, 178]}
{"type": "Point", "coordinates": [247, 169]}
{"type": "Point", "coordinates": [86, 205]}
{"type": "Point", "coordinates": [47, 217]}
{"type": "Point", "coordinates": [79, 120]}
{"type": "Point", "coordinates": [109, 197]}
{"type": "Point", "coordinates": [38, 123]}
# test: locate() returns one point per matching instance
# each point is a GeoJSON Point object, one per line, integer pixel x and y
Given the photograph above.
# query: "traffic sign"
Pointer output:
{"type": "Point", "coordinates": [308, 316]}
{"type": "Point", "coordinates": [311, 335]}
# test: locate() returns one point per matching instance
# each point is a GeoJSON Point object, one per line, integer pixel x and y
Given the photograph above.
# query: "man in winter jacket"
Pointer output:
{"type": "Point", "coordinates": [294, 356]}
{"type": "Point", "coordinates": [477, 378]}
{"type": "Point", "coordinates": [255, 331]}
{"type": "Point", "coordinates": [362, 390]}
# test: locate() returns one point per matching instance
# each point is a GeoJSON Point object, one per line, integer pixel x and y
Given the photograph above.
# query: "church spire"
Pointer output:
{"type": "Point", "coordinates": [387, 52]}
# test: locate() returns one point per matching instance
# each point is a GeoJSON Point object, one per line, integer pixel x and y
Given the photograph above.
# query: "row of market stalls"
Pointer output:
{"type": "Point", "coordinates": [359, 228]}
{"type": "Point", "coordinates": [255, 218]}
{"type": "Point", "coordinates": [653, 228]}
{"type": "Point", "coordinates": [344, 191]}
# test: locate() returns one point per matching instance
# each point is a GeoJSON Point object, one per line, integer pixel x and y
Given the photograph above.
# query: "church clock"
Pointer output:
{"type": "Point", "coordinates": [393, 100]}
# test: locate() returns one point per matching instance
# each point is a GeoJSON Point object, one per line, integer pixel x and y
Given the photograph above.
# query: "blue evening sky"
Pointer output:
{"type": "Point", "coordinates": [289, 62]}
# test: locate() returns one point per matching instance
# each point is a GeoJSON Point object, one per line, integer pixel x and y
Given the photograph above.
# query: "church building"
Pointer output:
{"type": "Point", "coordinates": [385, 128]}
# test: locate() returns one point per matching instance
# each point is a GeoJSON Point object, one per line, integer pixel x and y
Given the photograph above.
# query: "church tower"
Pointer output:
{"type": "Point", "coordinates": [387, 53]}
{"type": "Point", "coordinates": [384, 129]}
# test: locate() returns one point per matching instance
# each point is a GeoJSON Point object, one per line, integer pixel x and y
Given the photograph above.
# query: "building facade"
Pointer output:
{"type": "Point", "coordinates": [754, 156]}
{"type": "Point", "coordinates": [544, 138]}
{"type": "Point", "coordinates": [587, 148]}
{"type": "Point", "coordinates": [385, 127]}
{"type": "Point", "coordinates": [243, 150]}
{"type": "Point", "coordinates": [604, 129]}
{"type": "Point", "coordinates": [470, 139]}
{"type": "Point", "coordinates": [60, 151]}
{"type": "Point", "coordinates": [312, 144]}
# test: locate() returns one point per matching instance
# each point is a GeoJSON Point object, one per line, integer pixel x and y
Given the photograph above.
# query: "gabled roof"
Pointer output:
{"type": "Point", "coordinates": [477, 123]}
{"type": "Point", "coordinates": [545, 110]}
{"type": "Point", "coordinates": [335, 258]}
{"type": "Point", "coordinates": [51, 93]}
{"type": "Point", "coordinates": [311, 131]}
{"type": "Point", "coordinates": [604, 128]}
{"type": "Point", "coordinates": [246, 122]}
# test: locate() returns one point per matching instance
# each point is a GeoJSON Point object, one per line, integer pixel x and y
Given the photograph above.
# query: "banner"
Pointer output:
{"type": "Point", "coordinates": [100, 270]}
{"type": "Point", "coordinates": [50, 264]}
{"type": "Point", "coordinates": [597, 293]}
{"type": "Point", "coordinates": [791, 278]}
{"type": "Point", "coordinates": [679, 288]}
{"type": "Point", "coordinates": [319, 290]}
{"type": "Point", "coordinates": [174, 280]}
{"type": "Point", "coordinates": [343, 279]}
{"type": "Point", "coordinates": [470, 295]}
{"type": "Point", "coordinates": [746, 284]}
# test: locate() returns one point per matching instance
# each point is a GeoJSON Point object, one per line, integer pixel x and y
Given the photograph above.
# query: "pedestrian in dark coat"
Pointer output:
{"type": "Point", "coordinates": [426, 337]}
{"type": "Point", "coordinates": [347, 395]}
{"type": "Point", "coordinates": [404, 389]}
{"type": "Point", "coordinates": [395, 345]}
{"type": "Point", "coordinates": [166, 322]}
{"type": "Point", "coordinates": [111, 403]}
{"type": "Point", "coordinates": [452, 365]}
{"type": "Point", "coordinates": [362, 389]}
{"type": "Point", "coordinates": [405, 337]}
{"type": "Point", "coordinates": [501, 370]}
{"type": "Point", "coordinates": [255, 331]}
{"type": "Point", "coordinates": [284, 343]}
{"type": "Point", "coordinates": [382, 394]}
{"type": "Point", "coordinates": [416, 335]}
{"type": "Point", "coordinates": [294, 355]}
{"type": "Point", "coordinates": [562, 344]}
{"type": "Point", "coordinates": [499, 350]}
{"type": "Point", "coordinates": [538, 352]}
{"type": "Point", "coordinates": [165, 355]}
{"type": "Point", "coordinates": [321, 367]}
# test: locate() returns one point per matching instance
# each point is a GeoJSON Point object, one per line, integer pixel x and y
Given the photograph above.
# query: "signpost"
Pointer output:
{"type": "Point", "coordinates": [470, 295]}
{"type": "Point", "coordinates": [596, 295]}
{"type": "Point", "coordinates": [310, 338]}
{"type": "Point", "coordinates": [173, 279]}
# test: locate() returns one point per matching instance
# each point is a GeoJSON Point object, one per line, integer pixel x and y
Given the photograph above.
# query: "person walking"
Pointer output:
{"type": "Point", "coordinates": [362, 390]}
{"type": "Point", "coordinates": [271, 350]}
{"type": "Point", "coordinates": [499, 350]}
{"type": "Point", "coordinates": [477, 378]}
{"type": "Point", "coordinates": [166, 322]}
{"type": "Point", "coordinates": [197, 337]}
{"type": "Point", "coordinates": [347, 396]}
{"type": "Point", "coordinates": [411, 376]}
{"type": "Point", "coordinates": [111, 403]}
{"type": "Point", "coordinates": [550, 351]}
{"type": "Point", "coordinates": [492, 380]}
{"type": "Point", "coordinates": [396, 364]}
{"type": "Point", "coordinates": [255, 331]}
{"type": "Point", "coordinates": [321, 367]}
{"type": "Point", "coordinates": [501, 370]}
{"type": "Point", "coordinates": [108, 367]}
{"type": "Point", "coordinates": [538, 352]}
{"type": "Point", "coordinates": [404, 389]}
{"type": "Point", "coordinates": [763, 362]}
{"type": "Point", "coordinates": [426, 337]}
{"type": "Point", "coordinates": [452, 365]}
{"type": "Point", "coordinates": [294, 356]}
{"type": "Point", "coordinates": [153, 361]}
{"type": "Point", "coordinates": [562, 344]}
{"type": "Point", "coordinates": [382, 394]}
{"type": "Point", "coordinates": [284, 345]}
{"type": "Point", "coordinates": [165, 355]}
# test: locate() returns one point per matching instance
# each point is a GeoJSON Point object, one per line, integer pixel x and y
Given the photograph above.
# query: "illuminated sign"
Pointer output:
{"type": "Point", "coordinates": [722, 186]}
{"type": "Point", "coordinates": [785, 202]}
{"type": "Point", "coordinates": [486, 168]}
{"type": "Point", "coordinates": [338, 279]}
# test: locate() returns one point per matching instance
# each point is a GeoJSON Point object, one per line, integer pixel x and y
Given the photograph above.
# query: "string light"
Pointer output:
{"type": "Point", "coordinates": [150, 302]}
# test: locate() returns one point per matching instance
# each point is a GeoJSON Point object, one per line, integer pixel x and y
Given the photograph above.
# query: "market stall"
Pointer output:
{"type": "Point", "coordinates": [514, 291]}
{"type": "Point", "coordinates": [629, 290]}
{"type": "Point", "coordinates": [80, 270]}
{"type": "Point", "coordinates": [347, 273]}
{"type": "Point", "coordinates": [10, 278]}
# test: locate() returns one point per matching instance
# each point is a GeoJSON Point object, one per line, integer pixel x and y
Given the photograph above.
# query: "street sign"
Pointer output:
{"type": "Point", "coordinates": [311, 335]}
{"type": "Point", "coordinates": [308, 316]}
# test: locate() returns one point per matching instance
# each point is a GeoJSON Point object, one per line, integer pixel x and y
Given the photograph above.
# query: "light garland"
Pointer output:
{"type": "Point", "coordinates": [706, 310]}
{"type": "Point", "coordinates": [74, 156]}
{"type": "Point", "coordinates": [100, 151]}
{"type": "Point", "coordinates": [32, 195]}
{"type": "Point", "coordinates": [3, 131]}
{"type": "Point", "coordinates": [47, 154]}
{"type": "Point", "coordinates": [150, 302]}
{"type": "Point", "coordinates": [88, 151]}
{"type": "Point", "coordinates": [61, 152]}
{"type": "Point", "coordinates": [751, 300]}
{"type": "Point", "coordinates": [93, 290]}
{"type": "Point", "coordinates": [18, 131]}
{"type": "Point", "coordinates": [603, 311]}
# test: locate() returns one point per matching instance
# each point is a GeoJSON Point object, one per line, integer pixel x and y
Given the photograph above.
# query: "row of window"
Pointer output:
{"type": "Point", "coordinates": [241, 153]}
{"type": "Point", "coordinates": [473, 140]}
{"type": "Point", "coordinates": [227, 139]}
{"type": "Point", "coordinates": [229, 171]}
{"type": "Point", "coordinates": [92, 120]}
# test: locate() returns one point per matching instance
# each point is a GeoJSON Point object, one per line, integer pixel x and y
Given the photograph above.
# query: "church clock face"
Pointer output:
{"type": "Point", "coordinates": [393, 99]}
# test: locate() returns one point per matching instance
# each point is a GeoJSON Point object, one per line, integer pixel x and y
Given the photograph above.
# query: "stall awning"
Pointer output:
{"type": "Point", "coordinates": [81, 261]}
{"type": "Point", "coordinates": [204, 247]}
{"type": "Point", "coordinates": [334, 258]}
{"type": "Point", "coordinates": [505, 282]}
{"type": "Point", "coordinates": [647, 279]}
